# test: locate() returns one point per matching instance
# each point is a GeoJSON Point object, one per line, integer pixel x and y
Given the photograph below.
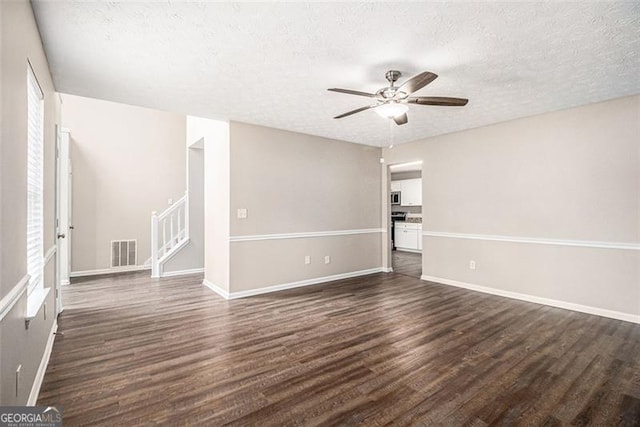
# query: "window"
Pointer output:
{"type": "Point", "coordinates": [35, 166]}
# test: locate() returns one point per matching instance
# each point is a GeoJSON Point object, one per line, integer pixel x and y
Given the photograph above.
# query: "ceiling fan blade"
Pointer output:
{"type": "Point", "coordinates": [348, 113]}
{"type": "Point", "coordinates": [438, 100]}
{"type": "Point", "coordinates": [401, 120]}
{"type": "Point", "coordinates": [417, 82]}
{"type": "Point", "coordinates": [352, 92]}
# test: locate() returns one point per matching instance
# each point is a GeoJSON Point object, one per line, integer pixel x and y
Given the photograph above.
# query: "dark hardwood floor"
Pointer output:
{"type": "Point", "coordinates": [407, 263]}
{"type": "Point", "coordinates": [374, 350]}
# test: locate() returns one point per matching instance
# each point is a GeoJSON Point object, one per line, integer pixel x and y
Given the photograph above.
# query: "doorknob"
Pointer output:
{"type": "Point", "coordinates": [61, 236]}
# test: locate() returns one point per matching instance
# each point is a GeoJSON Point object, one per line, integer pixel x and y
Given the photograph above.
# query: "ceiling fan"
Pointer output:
{"type": "Point", "coordinates": [391, 101]}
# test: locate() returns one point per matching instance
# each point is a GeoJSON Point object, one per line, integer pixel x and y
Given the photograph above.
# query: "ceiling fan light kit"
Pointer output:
{"type": "Point", "coordinates": [392, 100]}
{"type": "Point", "coordinates": [392, 109]}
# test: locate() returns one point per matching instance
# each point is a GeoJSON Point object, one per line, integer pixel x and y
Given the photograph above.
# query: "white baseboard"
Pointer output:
{"type": "Point", "coordinates": [42, 368]}
{"type": "Point", "coordinates": [413, 251]}
{"type": "Point", "coordinates": [292, 285]}
{"type": "Point", "coordinates": [387, 269]}
{"type": "Point", "coordinates": [182, 272]}
{"type": "Point", "coordinates": [109, 271]}
{"type": "Point", "coordinates": [627, 317]}
{"type": "Point", "coordinates": [64, 282]}
{"type": "Point", "coordinates": [215, 288]}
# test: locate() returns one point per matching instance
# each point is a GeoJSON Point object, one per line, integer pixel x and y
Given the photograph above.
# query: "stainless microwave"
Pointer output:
{"type": "Point", "coordinates": [395, 197]}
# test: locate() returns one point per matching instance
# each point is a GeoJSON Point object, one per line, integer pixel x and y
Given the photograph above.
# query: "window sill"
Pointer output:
{"type": "Point", "coordinates": [35, 300]}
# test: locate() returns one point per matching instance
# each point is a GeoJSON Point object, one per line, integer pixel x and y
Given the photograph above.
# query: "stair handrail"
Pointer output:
{"type": "Point", "coordinates": [178, 203]}
{"type": "Point", "coordinates": [177, 235]}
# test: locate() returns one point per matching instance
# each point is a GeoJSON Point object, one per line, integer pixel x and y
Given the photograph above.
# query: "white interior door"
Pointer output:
{"type": "Point", "coordinates": [63, 213]}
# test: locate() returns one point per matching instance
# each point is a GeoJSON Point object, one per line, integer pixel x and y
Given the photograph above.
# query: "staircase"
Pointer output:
{"type": "Point", "coordinates": [169, 233]}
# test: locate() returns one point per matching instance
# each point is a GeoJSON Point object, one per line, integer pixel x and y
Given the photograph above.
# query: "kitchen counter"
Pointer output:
{"type": "Point", "coordinates": [414, 220]}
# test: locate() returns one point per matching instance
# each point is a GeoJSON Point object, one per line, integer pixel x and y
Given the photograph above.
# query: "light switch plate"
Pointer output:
{"type": "Point", "coordinates": [242, 213]}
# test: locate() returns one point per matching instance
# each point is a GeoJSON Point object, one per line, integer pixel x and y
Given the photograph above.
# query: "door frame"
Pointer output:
{"type": "Point", "coordinates": [388, 247]}
{"type": "Point", "coordinates": [63, 213]}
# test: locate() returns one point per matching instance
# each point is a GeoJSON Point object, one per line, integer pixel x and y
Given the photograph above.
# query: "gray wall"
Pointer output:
{"type": "Point", "coordinates": [570, 175]}
{"type": "Point", "coordinates": [295, 183]}
{"type": "Point", "coordinates": [21, 43]}
{"type": "Point", "coordinates": [127, 162]}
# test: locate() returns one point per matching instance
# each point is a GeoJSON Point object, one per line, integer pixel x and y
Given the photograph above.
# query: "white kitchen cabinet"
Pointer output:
{"type": "Point", "coordinates": [408, 236]}
{"type": "Point", "coordinates": [411, 192]}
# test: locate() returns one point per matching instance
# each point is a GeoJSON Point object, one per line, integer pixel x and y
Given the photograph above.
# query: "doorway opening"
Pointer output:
{"type": "Point", "coordinates": [405, 198]}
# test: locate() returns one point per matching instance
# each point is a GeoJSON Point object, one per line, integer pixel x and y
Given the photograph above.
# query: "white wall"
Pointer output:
{"type": "Point", "coordinates": [20, 42]}
{"type": "Point", "coordinates": [127, 162]}
{"type": "Point", "coordinates": [566, 175]}
{"type": "Point", "coordinates": [216, 199]}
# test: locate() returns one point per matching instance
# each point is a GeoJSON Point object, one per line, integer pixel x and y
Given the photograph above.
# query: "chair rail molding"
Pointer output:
{"type": "Point", "coordinates": [536, 240]}
{"type": "Point", "coordinates": [50, 253]}
{"type": "Point", "coordinates": [12, 297]}
{"type": "Point", "coordinates": [304, 235]}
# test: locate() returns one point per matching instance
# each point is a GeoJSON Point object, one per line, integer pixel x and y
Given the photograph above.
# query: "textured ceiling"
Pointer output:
{"type": "Point", "coordinates": [271, 63]}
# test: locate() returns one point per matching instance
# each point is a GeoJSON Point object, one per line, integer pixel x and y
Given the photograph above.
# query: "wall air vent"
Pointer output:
{"type": "Point", "coordinates": [124, 253]}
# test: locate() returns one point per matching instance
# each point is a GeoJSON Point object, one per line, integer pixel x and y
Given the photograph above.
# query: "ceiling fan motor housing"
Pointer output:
{"type": "Point", "coordinates": [393, 76]}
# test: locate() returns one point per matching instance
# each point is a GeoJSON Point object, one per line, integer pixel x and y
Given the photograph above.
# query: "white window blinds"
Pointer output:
{"type": "Point", "coordinates": [35, 166]}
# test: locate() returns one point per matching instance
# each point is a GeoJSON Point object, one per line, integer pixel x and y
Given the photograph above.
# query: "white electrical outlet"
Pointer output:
{"type": "Point", "coordinates": [327, 259]}
{"type": "Point", "coordinates": [472, 265]}
{"type": "Point", "coordinates": [242, 213]}
{"type": "Point", "coordinates": [307, 259]}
